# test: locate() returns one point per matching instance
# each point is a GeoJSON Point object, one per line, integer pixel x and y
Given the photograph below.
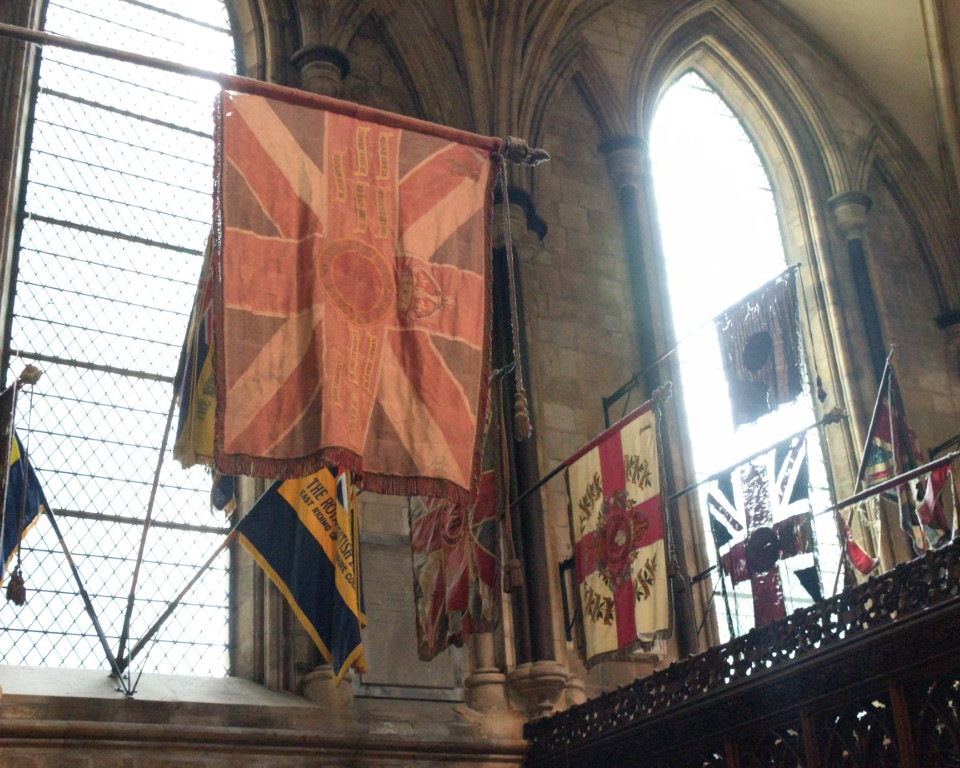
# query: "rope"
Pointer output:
{"type": "Point", "coordinates": [522, 428]}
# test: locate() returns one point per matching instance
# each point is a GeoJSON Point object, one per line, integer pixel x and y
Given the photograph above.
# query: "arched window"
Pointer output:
{"type": "Point", "coordinates": [721, 241]}
{"type": "Point", "coordinates": [114, 213]}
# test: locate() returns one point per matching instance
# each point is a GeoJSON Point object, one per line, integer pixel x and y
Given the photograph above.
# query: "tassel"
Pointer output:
{"type": "Point", "coordinates": [16, 590]}
{"type": "Point", "coordinates": [513, 576]}
{"type": "Point", "coordinates": [522, 427]}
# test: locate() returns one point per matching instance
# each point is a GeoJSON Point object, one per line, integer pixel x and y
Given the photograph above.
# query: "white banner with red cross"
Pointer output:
{"type": "Point", "coordinates": [617, 525]}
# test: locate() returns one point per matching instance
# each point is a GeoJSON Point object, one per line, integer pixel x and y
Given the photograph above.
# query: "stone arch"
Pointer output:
{"type": "Point", "coordinates": [267, 33]}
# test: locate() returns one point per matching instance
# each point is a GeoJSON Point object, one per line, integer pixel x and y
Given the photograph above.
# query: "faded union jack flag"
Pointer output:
{"type": "Point", "coordinates": [353, 301]}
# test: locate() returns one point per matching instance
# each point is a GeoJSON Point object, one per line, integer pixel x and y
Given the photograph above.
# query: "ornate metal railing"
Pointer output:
{"type": "Point", "coordinates": [868, 678]}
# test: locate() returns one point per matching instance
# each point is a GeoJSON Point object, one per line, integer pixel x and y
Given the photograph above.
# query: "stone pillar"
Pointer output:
{"type": "Point", "coordinates": [486, 685]}
{"type": "Point", "coordinates": [322, 69]}
{"type": "Point", "coordinates": [849, 211]}
{"type": "Point", "coordinates": [626, 158]}
{"type": "Point", "coordinates": [538, 679]}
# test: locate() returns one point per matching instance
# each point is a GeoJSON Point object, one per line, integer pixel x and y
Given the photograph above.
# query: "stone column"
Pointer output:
{"type": "Point", "coordinates": [322, 69]}
{"type": "Point", "coordinates": [626, 157]}
{"type": "Point", "coordinates": [850, 211]}
{"type": "Point", "coordinates": [538, 678]}
{"type": "Point", "coordinates": [627, 164]}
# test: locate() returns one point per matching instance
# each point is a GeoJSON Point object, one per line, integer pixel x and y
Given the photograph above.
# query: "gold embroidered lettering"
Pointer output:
{"type": "Point", "coordinates": [338, 177]}
{"type": "Point", "coordinates": [354, 361]}
{"type": "Point", "coordinates": [384, 155]}
{"type": "Point", "coordinates": [373, 345]}
{"type": "Point", "coordinates": [360, 204]}
{"type": "Point", "coordinates": [382, 211]}
{"type": "Point", "coordinates": [362, 169]}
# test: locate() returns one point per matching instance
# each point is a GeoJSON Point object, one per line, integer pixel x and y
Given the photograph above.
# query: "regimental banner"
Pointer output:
{"type": "Point", "coordinates": [353, 263]}
{"type": "Point", "coordinates": [891, 450]}
{"type": "Point", "coordinates": [617, 521]}
{"type": "Point", "coordinates": [304, 534]}
{"type": "Point", "coordinates": [760, 347]}
{"type": "Point", "coordinates": [25, 504]}
{"type": "Point", "coordinates": [456, 560]}
{"type": "Point", "coordinates": [774, 504]}
{"type": "Point", "coordinates": [194, 382]}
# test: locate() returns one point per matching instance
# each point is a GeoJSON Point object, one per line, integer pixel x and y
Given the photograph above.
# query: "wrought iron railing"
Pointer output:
{"type": "Point", "coordinates": [870, 677]}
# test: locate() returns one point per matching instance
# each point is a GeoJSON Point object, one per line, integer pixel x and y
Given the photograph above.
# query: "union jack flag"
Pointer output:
{"type": "Point", "coordinates": [352, 299]}
{"type": "Point", "coordinates": [773, 521]}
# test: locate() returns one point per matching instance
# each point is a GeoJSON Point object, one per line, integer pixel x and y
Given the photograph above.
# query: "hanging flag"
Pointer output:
{"type": "Point", "coordinates": [223, 493]}
{"type": "Point", "coordinates": [303, 533]}
{"type": "Point", "coordinates": [809, 579]}
{"type": "Point", "coordinates": [194, 382]}
{"type": "Point", "coordinates": [760, 348]}
{"type": "Point", "coordinates": [353, 300]}
{"type": "Point", "coordinates": [779, 526]}
{"type": "Point", "coordinates": [891, 450]}
{"type": "Point", "coordinates": [617, 521]}
{"type": "Point", "coordinates": [860, 559]}
{"type": "Point", "coordinates": [456, 558]}
{"type": "Point", "coordinates": [931, 509]}
{"type": "Point", "coordinates": [23, 494]}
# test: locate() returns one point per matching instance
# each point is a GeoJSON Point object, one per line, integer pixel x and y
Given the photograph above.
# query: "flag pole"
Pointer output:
{"type": "Point", "coordinates": [87, 603]}
{"type": "Point", "coordinates": [663, 391]}
{"type": "Point", "coordinates": [832, 417]}
{"type": "Point", "coordinates": [261, 88]}
{"type": "Point", "coordinates": [123, 663]}
{"type": "Point", "coordinates": [125, 633]}
{"type": "Point", "coordinates": [884, 378]}
{"type": "Point", "coordinates": [640, 375]}
{"type": "Point", "coordinates": [875, 490]}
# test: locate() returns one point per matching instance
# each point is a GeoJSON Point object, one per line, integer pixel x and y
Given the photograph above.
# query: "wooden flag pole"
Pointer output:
{"type": "Point", "coordinates": [862, 468]}
{"type": "Point", "coordinates": [123, 663]}
{"type": "Point", "coordinates": [125, 632]}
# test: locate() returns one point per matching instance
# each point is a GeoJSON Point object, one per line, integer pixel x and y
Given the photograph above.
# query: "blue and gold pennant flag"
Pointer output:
{"type": "Point", "coordinates": [303, 533]}
{"type": "Point", "coordinates": [20, 483]}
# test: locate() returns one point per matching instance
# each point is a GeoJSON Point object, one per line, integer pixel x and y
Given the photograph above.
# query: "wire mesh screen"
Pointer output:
{"type": "Point", "coordinates": [116, 209]}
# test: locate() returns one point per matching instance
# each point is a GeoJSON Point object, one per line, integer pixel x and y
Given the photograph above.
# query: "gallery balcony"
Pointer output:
{"type": "Point", "coordinates": [867, 679]}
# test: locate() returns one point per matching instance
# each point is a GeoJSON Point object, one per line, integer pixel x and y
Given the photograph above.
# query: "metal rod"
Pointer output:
{"type": "Point", "coordinates": [893, 482]}
{"type": "Point", "coordinates": [123, 663]}
{"type": "Point", "coordinates": [862, 466]}
{"type": "Point", "coordinates": [831, 418]}
{"type": "Point", "coordinates": [125, 633]}
{"type": "Point", "coordinates": [884, 380]}
{"type": "Point", "coordinates": [259, 88]}
{"type": "Point", "coordinates": [563, 465]}
{"type": "Point", "coordinates": [87, 603]}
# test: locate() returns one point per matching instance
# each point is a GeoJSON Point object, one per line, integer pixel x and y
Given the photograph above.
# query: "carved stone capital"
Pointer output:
{"type": "Point", "coordinates": [850, 211]}
{"type": "Point", "coordinates": [322, 68]}
{"type": "Point", "coordinates": [625, 156]}
{"type": "Point", "coordinates": [539, 686]}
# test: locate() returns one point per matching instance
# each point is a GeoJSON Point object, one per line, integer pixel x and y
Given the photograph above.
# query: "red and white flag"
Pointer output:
{"type": "Point", "coordinates": [618, 532]}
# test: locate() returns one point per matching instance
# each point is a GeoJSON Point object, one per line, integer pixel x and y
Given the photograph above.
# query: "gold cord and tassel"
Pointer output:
{"type": "Point", "coordinates": [16, 589]}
